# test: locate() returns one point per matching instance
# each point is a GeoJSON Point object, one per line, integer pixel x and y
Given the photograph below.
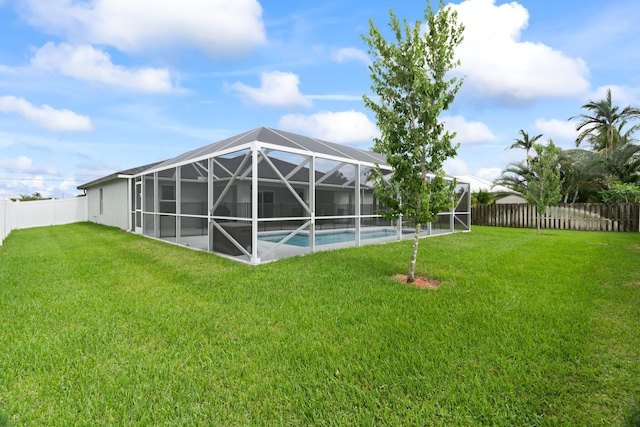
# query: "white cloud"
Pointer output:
{"type": "Point", "coordinates": [336, 97]}
{"type": "Point", "coordinates": [341, 127]}
{"type": "Point", "coordinates": [45, 116]}
{"type": "Point", "coordinates": [93, 65]}
{"type": "Point", "coordinates": [24, 164]}
{"type": "Point", "coordinates": [489, 174]}
{"type": "Point", "coordinates": [620, 95]}
{"type": "Point", "coordinates": [497, 63]}
{"type": "Point", "coordinates": [69, 185]}
{"type": "Point", "coordinates": [456, 166]}
{"type": "Point", "coordinates": [7, 70]}
{"type": "Point", "coordinates": [351, 54]}
{"type": "Point", "coordinates": [557, 129]}
{"type": "Point", "coordinates": [468, 132]}
{"type": "Point", "coordinates": [277, 88]}
{"type": "Point", "coordinates": [220, 27]}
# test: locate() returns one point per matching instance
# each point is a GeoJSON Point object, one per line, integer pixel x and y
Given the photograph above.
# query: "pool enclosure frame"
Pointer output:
{"type": "Point", "coordinates": [268, 194]}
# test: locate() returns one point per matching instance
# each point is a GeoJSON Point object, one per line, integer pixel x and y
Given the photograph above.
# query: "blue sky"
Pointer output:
{"type": "Point", "coordinates": [90, 87]}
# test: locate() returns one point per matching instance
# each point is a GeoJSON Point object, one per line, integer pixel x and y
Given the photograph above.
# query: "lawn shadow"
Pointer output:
{"type": "Point", "coordinates": [633, 417]}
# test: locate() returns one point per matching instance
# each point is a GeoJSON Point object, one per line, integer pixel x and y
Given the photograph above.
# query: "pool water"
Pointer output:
{"type": "Point", "coordinates": [302, 240]}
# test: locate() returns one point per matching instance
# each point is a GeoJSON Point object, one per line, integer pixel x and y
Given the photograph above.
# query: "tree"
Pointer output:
{"type": "Point", "coordinates": [543, 186]}
{"type": "Point", "coordinates": [482, 197]}
{"type": "Point", "coordinates": [525, 143]}
{"type": "Point", "coordinates": [577, 173]}
{"type": "Point", "coordinates": [515, 176]}
{"type": "Point", "coordinates": [603, 125]}
{"type": "Point", "coordinates": [624, 163]}
{"type": "Point", "coordinates": [617, 191]}
{"type": "Point", "coordinates": [409, 78]}
{"type": "Point", "coordinates": [34, 196]}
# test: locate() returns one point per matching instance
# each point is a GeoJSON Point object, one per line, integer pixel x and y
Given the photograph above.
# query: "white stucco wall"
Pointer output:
{"type": "Point", "coordinates": [115, 208]}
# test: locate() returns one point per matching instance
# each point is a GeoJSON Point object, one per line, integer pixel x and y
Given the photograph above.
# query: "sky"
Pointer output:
{"type": "Point", "coordinates": [92, 87]}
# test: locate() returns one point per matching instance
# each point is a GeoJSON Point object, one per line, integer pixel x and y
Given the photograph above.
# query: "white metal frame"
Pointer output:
{"type": "Point", "coordinates": [258, 152]}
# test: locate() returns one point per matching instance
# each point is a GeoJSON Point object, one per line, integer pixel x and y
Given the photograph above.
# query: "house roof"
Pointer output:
{"type": "Point", "coordinates": [127, 173]}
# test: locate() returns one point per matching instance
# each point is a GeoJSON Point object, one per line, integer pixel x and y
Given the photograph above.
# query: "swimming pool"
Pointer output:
{"type": "Point", "coordinates": [328, 238]}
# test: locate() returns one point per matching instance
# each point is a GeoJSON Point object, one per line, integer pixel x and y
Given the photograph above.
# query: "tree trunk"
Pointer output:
{"type": "Point", "coordinates": [411, 276]}
{"type": "Point", "coordinates": [539, 219]}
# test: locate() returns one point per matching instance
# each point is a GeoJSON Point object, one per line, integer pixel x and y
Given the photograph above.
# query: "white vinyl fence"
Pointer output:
{"type": "Point", "coordinates": [39, 213]}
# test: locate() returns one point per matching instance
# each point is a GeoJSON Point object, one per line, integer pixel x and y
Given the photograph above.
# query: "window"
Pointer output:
{"type": "Point", "coordinates": [101, 201]}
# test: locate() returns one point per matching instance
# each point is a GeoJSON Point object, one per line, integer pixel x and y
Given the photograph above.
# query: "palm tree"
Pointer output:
{"type": "Point", "coordinates": [578, 169]}
{"type": "Point", "coordinates": [624, 163]}
{"type": "Point", "coordinates": [603, 125]}
{"type": "Point", "coordinates": [515, 177]}
{"type": "Point", "coordinates": [525, 143]}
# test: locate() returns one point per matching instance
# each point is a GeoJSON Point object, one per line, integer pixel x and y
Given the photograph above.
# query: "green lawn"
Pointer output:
{"type": "Point", "coordinates": [102, 327]}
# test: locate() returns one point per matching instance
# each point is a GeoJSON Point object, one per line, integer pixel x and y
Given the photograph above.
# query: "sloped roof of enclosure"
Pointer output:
{"type": "Point", "coordinates": [122, 174]}
{"type": "Point", "coordinates": [280, 138]}
{"type": "Point", "coordinates": [261, 134]}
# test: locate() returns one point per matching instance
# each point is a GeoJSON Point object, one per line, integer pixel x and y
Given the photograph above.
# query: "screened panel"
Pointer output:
{"type": "Point", "coordinates": [167, 228]}
{"type": "Point", "coordinates": [303, 202]}
{"type": "Point", "coordinates": [378, 230]}
{"type": "Point", "coordinates": [149, 225]}
{"type": "Point", "coordinates": [232, 185]}
{"type": "Point", "coordinates": [231, 238]}
{"type": "Point", "coordinates": [193, 189]}
{"type": "Point", "coordinates": [149, 193]}
{"type": "Point", "coordinates": [167, 191]}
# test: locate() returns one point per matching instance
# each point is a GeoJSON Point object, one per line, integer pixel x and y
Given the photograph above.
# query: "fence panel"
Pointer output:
{"type": "Point", "coordinates": [39, 213]}
{"type": "Point", "coordinates": [570, 216]}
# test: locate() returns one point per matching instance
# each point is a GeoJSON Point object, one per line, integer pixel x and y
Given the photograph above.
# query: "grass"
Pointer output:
{"type": "Point", "coordinates": [102, 327]}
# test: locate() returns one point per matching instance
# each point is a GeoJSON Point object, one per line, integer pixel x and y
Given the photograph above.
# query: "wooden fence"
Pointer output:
{"type": "Point", "coordinates": [570, 216]}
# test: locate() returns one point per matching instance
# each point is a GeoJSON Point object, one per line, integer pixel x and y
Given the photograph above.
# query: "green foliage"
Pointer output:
{"type": "Point", "coordinates": [585, 174]}
{"type": "Point", "coordinates": [543, 184]}
{"type": "Point", "coordinates": [34, 196]}
{"type": "Point", "coordinates": [603, 126]}
{"type": "Point", "coordinates": [616, 191]}
{"type": "Point", "coordinates": [515, 176]}
{"type": "Point", "coordinates": [103, 327]}
{"type": "Point", "coordinates": [409, 78]}
{"type": "Point", "coordinates": [482, 197]}
{"type": "Point", "coordinates": [576, 172]}
{"type": "Point", "coordinates": [526, 143]}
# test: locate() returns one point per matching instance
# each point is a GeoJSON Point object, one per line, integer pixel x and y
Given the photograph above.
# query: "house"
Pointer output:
{"type": "Point", "coordinates": [476, 184]}
{"type": "Point", "coordinates": [504, 195]}
{"type": "Point", "coordinates": [260, 196]}
{"type": "Point", "coordinates": [510, 199]}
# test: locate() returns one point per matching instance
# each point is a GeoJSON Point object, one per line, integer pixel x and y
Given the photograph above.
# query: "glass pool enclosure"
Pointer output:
{"type": "Point", "coordinates": [268, 194]}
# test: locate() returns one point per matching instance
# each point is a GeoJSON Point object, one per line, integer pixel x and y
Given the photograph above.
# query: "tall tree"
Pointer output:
{"type": "Point", "coordinates": [602, 126]}
{"type": "Point", "coordinates": [577, 172]}
{"type": "Point", "coordinates": [409, 78]}
{"type": "Point", "coordinates": [515, 176]}
{"type": "Point", "coordinates": [526, 143]}
{"type": "Point", "coordinates": [543, 186]}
